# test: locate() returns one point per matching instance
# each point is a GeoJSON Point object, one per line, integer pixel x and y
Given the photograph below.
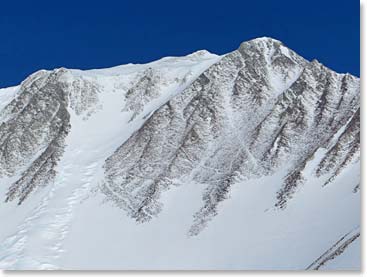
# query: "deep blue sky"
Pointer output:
{"type": "Point", "coordinates": [96, 34]}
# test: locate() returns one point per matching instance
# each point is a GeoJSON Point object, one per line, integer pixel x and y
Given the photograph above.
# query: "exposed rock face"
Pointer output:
{"type": "Point", "coordinates": [345, 150]}
{"type": "Point", "coordinates": [143, 91]}
{"type": "Point", "coordinates": [34, 126]}
{"type": "Point", "coordinates": [335, 250]}
{"type": "Point", "coordinates": [133, 133]}
{"type": "Point", "coordinates": [36, 122]}
{"type": "Point", "coordinates": [259, 109]}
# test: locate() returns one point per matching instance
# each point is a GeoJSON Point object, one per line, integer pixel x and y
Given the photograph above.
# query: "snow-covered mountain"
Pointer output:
{"type": "Point", "coordinates": [250, 160]}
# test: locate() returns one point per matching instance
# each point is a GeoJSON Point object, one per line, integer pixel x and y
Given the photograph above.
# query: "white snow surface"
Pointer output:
{"type": "Point", "coordinates": [69, 225]}
{"type": "Point", "coordinates": [6, 95]}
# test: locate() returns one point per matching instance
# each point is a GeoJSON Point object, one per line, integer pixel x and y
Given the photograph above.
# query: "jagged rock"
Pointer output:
{"type": "Point", "coordinates": [259, 109]}
{"type": "Point", "coordinates": [258, 117]}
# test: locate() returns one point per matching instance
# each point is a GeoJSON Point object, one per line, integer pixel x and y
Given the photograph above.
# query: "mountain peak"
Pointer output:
{"type": "Point", "coordinates": [232, 149]}
{"type": "Point", "coordinates": [261, 41]}
{"type": "Point", "coordinates": [265, 39]}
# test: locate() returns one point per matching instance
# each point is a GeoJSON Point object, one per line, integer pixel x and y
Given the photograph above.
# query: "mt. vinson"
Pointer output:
{"type": "Point", "coordinates": [250, 160]}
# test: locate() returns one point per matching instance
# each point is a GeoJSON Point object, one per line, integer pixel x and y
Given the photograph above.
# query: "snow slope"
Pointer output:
{"type": "Point", "coordinates": [87, 187]}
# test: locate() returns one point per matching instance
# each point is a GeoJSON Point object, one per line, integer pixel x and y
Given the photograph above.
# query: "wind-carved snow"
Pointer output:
{"type": "Point", "coordinates": [245, 155]}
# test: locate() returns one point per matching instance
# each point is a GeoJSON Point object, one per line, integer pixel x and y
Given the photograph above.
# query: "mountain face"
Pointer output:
{"type": "Point", "coordinates": [250, 160]}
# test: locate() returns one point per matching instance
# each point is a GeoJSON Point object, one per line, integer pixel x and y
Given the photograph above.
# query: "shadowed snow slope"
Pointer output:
{"type": "Point", "coordinates": [248, 160]}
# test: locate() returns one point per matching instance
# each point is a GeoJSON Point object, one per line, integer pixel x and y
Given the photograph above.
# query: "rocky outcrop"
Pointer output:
{"type": "Point", "coordinates": [343, 152]}
{"type": "Point", "coordinates": [34, 126]}
{"type": "Point", "coordinates": [260, 109]}
{"type": "Point", "coordinates": [256, 149]}
{"type": "Point", "coordinates": [256, 111]}
{"type": "Point", "coordinates": [335, 250]}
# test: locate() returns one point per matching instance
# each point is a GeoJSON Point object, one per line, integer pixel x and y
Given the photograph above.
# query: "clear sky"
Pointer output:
{"type": "Point", "coordinates": [96, 34]}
